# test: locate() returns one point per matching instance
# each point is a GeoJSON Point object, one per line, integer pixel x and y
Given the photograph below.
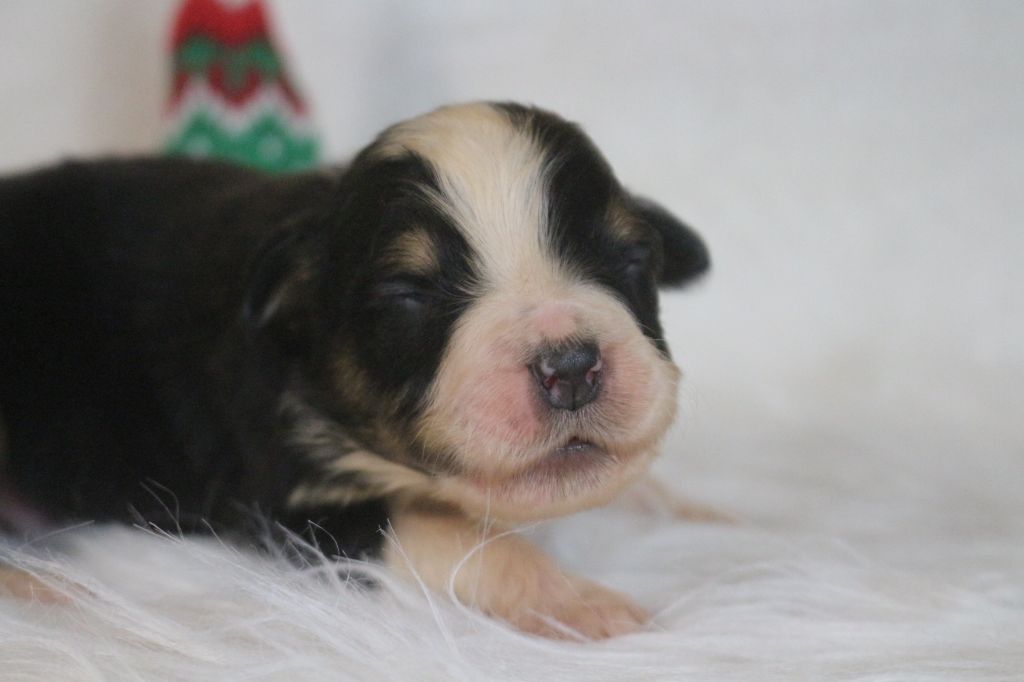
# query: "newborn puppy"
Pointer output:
{"type": "Point", "coordinates": [456, 333]}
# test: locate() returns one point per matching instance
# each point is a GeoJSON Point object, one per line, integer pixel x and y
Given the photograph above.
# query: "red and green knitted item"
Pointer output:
{"type": "Point", "coordinates": [231, 97]}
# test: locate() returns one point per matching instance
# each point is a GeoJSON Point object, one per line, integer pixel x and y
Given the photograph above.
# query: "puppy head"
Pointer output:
{"type": "Point", "coordinates": [481, 308]}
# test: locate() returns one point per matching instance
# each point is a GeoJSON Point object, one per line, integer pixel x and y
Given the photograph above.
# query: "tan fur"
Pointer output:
{"type": "Point", "coordinates": [622, 221]}
{"type": "Point", "coordinates": [321, 438]}
{"type": "Point", "coordinates": [505, 576]}
{"type": "Point", "coordinates": [378, 478]}
{"type": "Point", "coordinates": [412, 252]}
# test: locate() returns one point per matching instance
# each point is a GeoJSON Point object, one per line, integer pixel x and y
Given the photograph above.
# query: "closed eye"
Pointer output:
{"type": "Point", "coordinates": [404, 293]}
{"type": "Point", "coordinates": [636, 259]}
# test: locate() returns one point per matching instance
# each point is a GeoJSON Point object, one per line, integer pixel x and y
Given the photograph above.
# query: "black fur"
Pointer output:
{"type": "Point", "coordinates": [134, 383]}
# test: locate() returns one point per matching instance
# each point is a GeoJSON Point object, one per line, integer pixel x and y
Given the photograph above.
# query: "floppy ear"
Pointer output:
{"type": "Point", "coordinates": [685, 256]}
{"type": "Point", "coordinates": [277, 292]}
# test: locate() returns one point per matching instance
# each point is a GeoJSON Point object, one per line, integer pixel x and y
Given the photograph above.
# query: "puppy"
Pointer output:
{"type": "Point", "coordinates": [456, 333]}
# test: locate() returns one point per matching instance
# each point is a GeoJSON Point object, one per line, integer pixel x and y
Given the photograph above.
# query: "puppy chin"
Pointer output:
{"type": "Point", "coordinates": [516, 465]}
{"type": "Point", "coordinates": [567, 479]}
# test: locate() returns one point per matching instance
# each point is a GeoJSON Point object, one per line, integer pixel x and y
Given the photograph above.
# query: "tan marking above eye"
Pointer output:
{"type": "Point", "coordinates": [623, 222]}
{"type": "Point", "coordinates": [413, 252]}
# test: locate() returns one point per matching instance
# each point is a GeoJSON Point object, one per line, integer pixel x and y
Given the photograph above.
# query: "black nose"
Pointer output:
{"type": "Point", "coordinates": [569, 376]}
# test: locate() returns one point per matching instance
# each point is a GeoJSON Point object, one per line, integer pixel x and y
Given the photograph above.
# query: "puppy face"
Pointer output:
{"type": "Point", "coordinates": [479, 316]}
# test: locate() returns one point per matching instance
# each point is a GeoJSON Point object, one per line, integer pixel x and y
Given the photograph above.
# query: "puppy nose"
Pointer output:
{"type": "Point", "coordinates": [569, 376]}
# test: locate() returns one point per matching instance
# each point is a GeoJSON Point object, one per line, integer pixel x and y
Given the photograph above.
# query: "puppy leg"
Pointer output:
{"type": "Point", "coordinates": [505, 577]}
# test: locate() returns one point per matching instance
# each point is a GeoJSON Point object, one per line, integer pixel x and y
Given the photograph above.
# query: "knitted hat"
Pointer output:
{"type": "Point", "coordinates": [231, 96]}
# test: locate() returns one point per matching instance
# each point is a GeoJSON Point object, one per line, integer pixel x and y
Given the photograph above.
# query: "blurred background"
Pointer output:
{"type": "Point", "coordinates": [856, 168]}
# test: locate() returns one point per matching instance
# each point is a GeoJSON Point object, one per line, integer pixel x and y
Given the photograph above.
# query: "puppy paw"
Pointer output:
{"type": "Point", "coordinates": [507, 578]}
{"type": "Point", "coordinates": [583, 611]}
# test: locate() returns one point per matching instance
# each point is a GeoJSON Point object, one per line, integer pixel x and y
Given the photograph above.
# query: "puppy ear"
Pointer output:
{"type": "Point", "coordinates": [279, 278]}
{"type": "Point", "coordinates": [685, 256]}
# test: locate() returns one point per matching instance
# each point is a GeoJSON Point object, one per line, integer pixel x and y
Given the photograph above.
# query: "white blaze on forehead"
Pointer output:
{"type": "Point", "coordinates": [492, 177]}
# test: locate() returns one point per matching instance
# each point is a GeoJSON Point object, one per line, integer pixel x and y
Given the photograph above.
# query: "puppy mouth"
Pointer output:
{"type": "Point", "coordinates": [575, 474]}
{"type": "Point", "coordinates": [575, 451]}
{"type": "Point", "coordinates": [577, 460]}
